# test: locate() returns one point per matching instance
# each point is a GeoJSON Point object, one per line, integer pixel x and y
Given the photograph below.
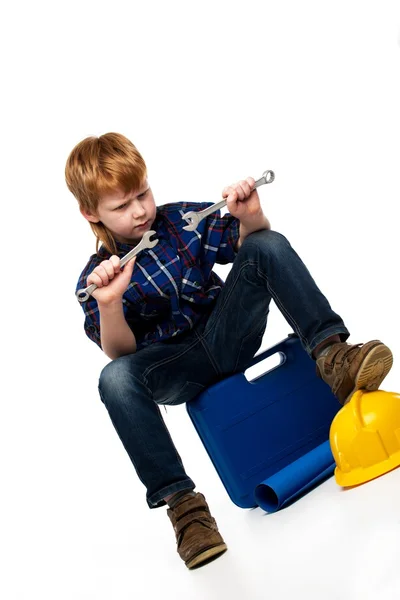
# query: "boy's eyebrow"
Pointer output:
{"type": "Point", "coordinates": [140, 193]}
{"type": "Point", "coordinates": [127, 198]}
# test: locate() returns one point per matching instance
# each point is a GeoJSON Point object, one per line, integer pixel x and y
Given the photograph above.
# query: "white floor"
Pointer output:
{"type": "Point", "coordinates": [331, 544]}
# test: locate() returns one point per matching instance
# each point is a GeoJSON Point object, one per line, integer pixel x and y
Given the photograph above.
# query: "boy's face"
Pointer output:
{"type": "Point", "coordinates": [128, 216]}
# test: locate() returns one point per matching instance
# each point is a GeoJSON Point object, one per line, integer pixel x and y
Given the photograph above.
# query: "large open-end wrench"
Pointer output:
{"type": "Point", "coordinates": [84, 293]}
{"type": "Point", "coordinates": [193, 218]}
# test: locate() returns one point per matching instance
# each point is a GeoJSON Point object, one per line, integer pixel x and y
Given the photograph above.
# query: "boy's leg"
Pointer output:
{"type": "Point", "coordinates": [267, 267]}
{"type": "Point", "coordinates": [132, 386]}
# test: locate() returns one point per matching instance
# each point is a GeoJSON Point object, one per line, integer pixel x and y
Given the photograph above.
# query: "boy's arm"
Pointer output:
{"type": "Point", "coordinates": [117, 339]}
{"type": "Point", "coordinates": [243, 203]}
{"type": "Point", "coordinates": [106, 317]}
{"type": "Point", "coordinates": [261, 222]}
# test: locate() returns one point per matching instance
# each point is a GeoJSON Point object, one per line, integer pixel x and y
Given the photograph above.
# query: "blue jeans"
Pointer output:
{"type": "Point", "coordinates": [224, 342]}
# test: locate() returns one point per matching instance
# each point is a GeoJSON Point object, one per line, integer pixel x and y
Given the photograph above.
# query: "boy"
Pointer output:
{"type": "Point", "coordinates": [172, 327]}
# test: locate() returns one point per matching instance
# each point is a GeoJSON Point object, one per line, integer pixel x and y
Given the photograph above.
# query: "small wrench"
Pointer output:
{"type": "Point", "coordinates": [84, 293]}
{"type": "Point", "coordinates": [194, 218]}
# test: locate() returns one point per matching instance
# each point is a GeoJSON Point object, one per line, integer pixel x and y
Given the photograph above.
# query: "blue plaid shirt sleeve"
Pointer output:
{"type": "Point", "coordinates": [90, 307]}
{"type": "Point", "coordinates": [92, 322]}
{"type": "Point", "coordinates": [227, 248]}
{"type": "Point", "coordinates": [225, 231]}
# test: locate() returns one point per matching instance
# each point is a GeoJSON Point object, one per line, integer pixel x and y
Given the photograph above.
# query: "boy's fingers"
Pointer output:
{"type": "Point", "coordinates": [105, 267]}
{"type": "Point", "coordinates": [114, 259]}
{"type": "Point", "coordinates": [130, 264]}
{"type": "Point", "coordinates": [94, 278]}
{"type": "Point", "coordinates": [101, 272]}
{"type": "Point", "coordinates": [227, 190]}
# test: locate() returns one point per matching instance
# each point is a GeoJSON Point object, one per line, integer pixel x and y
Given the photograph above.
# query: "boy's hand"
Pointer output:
{"type": "Point", "coordinates": [243, 201]}
{"type": "Point", "coordinates": [111, 281]}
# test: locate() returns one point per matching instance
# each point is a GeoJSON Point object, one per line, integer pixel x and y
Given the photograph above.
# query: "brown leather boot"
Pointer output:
{"type": "Point", "coordinates": [347, 368]}
{"type": "Point", "coordinates": [197, 536]}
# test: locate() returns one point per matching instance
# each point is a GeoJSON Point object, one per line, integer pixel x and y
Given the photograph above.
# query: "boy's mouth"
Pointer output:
{"type": "Point", "coordinates": [142, 226]}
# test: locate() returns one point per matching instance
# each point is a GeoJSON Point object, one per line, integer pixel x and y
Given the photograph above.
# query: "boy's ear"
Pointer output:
{"type": "Point", "coordinates": [89, 216]}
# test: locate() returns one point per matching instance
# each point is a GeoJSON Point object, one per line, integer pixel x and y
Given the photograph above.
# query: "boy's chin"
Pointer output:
{"type": "Point", "coordinates": [130, 241]}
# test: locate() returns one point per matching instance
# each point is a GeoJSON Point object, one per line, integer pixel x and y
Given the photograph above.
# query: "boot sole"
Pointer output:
{"type": "Point", "coordinates": [206, 555]}
{"type": "Point", "coordinates": [373, 370]}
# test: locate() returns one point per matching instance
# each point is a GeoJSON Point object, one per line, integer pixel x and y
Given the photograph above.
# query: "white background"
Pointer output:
{"type": "Point", "coordinates": [210, 93]}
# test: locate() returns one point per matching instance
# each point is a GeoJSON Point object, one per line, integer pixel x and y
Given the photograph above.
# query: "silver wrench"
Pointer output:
{"type": "Point", "coordinates": [193, 218]}
{"type": "Point", "coordinates": [84, 293]}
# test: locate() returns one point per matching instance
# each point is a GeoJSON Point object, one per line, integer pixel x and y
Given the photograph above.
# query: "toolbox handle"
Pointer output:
{"type": "Point", "coordinates": [281, 348]}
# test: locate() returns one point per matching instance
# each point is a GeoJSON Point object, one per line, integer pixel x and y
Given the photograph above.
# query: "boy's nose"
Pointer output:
{"type": "Point", "coordinates": [138, 211]}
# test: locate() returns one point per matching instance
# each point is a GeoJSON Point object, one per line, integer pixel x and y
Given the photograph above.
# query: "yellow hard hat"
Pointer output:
{"type": "Point", "coordinates": [365, 437]}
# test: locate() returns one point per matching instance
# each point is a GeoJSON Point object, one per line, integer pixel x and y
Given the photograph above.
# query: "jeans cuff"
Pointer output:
{"type": "Point", "coordinates": [157, 499]}
{"type": "Point", "coordinates": [342, 332]}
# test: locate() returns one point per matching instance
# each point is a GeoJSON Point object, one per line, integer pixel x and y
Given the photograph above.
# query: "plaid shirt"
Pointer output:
{"type": "Point", "coordinates": [173, 284]}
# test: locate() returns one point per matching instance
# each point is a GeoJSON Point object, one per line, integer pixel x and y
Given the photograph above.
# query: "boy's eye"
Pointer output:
{"type": "Point", "coordinates": [126, 203]}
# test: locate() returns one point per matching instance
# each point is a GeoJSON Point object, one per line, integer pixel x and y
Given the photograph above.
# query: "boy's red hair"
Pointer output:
{"type": "Point", "coordinates": [100, 165]}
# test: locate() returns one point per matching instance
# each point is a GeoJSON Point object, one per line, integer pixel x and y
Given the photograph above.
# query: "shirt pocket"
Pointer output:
{"type": "Point", "coordinates": [192, 281]}
{"type": "Point", "coordinates": [149, 308]}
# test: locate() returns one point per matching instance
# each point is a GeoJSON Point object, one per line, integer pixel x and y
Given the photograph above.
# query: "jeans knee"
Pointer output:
{"type": "Point", "coordinates": [266, 240]}
{"type": "Point", "coordinates": [117, 380]}
{"type": "Point", "coordinates": [108, 380]}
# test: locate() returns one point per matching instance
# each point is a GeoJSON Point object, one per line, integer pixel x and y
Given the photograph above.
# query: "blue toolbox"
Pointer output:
{"type": "Point", "coordinates": [268, 438]}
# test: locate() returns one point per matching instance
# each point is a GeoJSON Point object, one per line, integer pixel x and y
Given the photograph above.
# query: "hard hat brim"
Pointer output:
{"type": "Point", "coordinates": [364, 474]}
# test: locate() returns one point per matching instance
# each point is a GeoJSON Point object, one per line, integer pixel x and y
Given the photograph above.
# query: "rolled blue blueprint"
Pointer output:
{"type": "Point", "coordinates": [295, 479]}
